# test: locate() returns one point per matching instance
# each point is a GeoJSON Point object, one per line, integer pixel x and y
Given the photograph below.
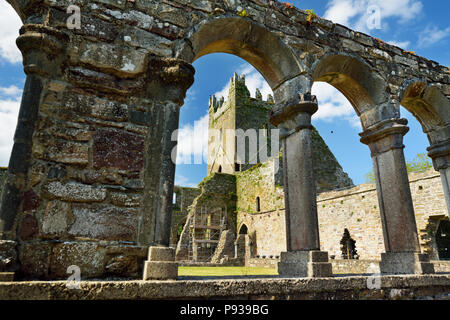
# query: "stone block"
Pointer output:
{"type": "Point", "coordinates": [103, 222]}
{"type": "Point", "coordinates": [96, 107]}
{"type": "Point", "coordinates": [160, 270]}
{"type": "Point", "coordinates": [161, 254]}
{"type": "Point", "coordinates": [352, 45]}
{"type": "Point", "coordinates": [405, 263]}
{"type": "Point", "coordinates": [118, 149]}
{"type": "Point", "coordinates": [89, 257]}
{"type": "Point", "coordinates": [122, 266]}
{"type": "Point", "coordinates": [35, 259]}
{"type": "Point", "coordinates": [57, 218]}
{"type": "Point", "coordinates": [64, 151]}
{"type": "Point", "coordinates": [125, 199]}
{"type": "Point", "coordinates": [75, 192]}
{"type": "Point", "coordinates": [123, 61]}
{"type": "Point", "coordinates": [304, 264]}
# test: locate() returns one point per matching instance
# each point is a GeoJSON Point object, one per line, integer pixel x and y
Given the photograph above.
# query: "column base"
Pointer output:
{"type": "Point", "coordinates": [6, 276]}
{"type": "Point", "coordinates": [312, 264]}
{"type": "Point", "coordinates": [161, 264]}
{"type": "Point", "coordinates": [405, 263]}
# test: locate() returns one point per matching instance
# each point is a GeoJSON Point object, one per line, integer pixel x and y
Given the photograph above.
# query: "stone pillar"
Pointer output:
{"type": "Point", "coordinates": [440, 153]}
{"type": "Point", "coordinates": [303, 257]}
{"type": "Point", "coordinates": [403, 255]}
{"type": "Point", "coordinates": [35, 42]}
{"type": "Point", "coordinates": [167, 86]}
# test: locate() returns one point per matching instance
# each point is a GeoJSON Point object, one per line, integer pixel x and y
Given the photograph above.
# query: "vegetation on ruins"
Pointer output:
{"type": "Point", "coordinates": [420, 163]}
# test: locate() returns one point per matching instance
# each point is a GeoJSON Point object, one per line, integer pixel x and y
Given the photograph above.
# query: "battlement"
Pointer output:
{"type": "Point", "coordinates": [238, 92]}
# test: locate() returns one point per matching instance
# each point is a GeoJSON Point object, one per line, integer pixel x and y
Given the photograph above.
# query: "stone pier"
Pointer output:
{"type": "Point", "coordinates": [303, 257]}
{"type": "Point", "coordinates": [402, 255]}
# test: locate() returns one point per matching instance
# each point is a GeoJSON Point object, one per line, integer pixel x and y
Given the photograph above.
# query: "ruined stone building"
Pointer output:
{"type": "Point", "coordinates": [90, 180]}
{"type": "Point", "coordinates": [254, 198]}
{"type": "Point", "coordinates": [240, 111]}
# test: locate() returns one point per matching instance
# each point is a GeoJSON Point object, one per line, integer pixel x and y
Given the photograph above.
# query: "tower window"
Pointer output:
{"type": "Point", "coordinates": [220, 169]}
{"type": "Point", "coordinates": [258, 204]}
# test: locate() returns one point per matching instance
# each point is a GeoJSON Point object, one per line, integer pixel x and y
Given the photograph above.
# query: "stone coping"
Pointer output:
{"type": "Point", "coordinates": [352, 287]}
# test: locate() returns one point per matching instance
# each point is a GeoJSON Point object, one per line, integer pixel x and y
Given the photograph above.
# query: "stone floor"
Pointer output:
{"type": "Point", "coordinates": [436, 287]}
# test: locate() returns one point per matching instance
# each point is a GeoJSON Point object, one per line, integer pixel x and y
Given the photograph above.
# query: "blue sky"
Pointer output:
{"type": "Point", "coordinates": [415, 25]}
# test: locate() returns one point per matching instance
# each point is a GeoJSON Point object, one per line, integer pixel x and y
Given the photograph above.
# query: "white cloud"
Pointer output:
{"type": "Point", "coordinates": [401, 44]}
{"type": "Point", "coordinates": [333, 105]}
{"type": "Point", "coordinates": [253, 80]}
{"type": "Point", "coordinates": [10, 91]}
{"type": "Point", "coordinates": [9, 112]}
{"type": "Point", "coordinates": [432, 35]}
{"type": "Point", "coordinates": [183, 181]}
{"type": "Point", "coordinates": [10, 24]}
{"type": "Point", "coordinates": [192, 147]}
{"type": "Point", "coordinates": [354, 13]}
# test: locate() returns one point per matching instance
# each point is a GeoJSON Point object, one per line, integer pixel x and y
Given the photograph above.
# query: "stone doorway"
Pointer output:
{"type": "Point", "coordinates": [443, 240]}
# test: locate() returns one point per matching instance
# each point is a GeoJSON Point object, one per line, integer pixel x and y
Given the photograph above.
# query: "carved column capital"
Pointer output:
{"type": "Point", "coordinates": [440, 153]}
{"type": "Point", "coordinates": [386, 135]}
{"type": "Point", "coordinates": [42, 48]}
{"type": "Point", "coordinates": [295, 115]}
{"type": "Point", "coordinates": [169, 79]}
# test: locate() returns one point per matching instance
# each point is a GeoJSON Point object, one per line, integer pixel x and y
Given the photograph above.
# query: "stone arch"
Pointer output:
{"type": "Point", "coordinates": [429, 106]}
{"type": "Point", "coordinates": [354, 78]}
{"type": "Point", "coordinates": [246, 39]}
{"type": "Point", "coordinates": [243, 229]}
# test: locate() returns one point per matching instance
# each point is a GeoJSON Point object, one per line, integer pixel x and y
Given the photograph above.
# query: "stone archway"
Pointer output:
{"type": "Point", "coordinates": [430, 107]}
{"type": "Point", "coordinates": [91, 170]}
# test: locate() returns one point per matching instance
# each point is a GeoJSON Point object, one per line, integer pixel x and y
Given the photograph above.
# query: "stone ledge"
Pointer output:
{"type": "Point", "coordinates": [391, 287]}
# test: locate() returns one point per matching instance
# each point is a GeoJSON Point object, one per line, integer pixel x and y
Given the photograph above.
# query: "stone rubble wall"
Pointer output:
{"type": "Point", "coordinates": [218, 191]}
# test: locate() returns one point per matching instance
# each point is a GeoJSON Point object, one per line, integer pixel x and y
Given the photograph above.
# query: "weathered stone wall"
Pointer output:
{"type": "Point", "coordinates": [2, 180]}
{"type": "Point", "coordinates": [242, 112]}
{"type": "Point", "coordinates": [409, 287]}
{"type": "Point", "coordinates": [355, 209]}
{"type": "Point", "coordinates": [218, 190]}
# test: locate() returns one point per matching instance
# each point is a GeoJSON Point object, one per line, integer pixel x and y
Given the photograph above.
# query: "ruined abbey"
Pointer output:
{"type": "Point", "coordinates": [90, 180]}
{"type": "Point", "coordinates": [247, 224]}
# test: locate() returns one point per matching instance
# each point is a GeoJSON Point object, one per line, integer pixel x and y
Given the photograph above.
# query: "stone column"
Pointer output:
{"type": "Point", "coordinates": [440, 153]}
{"type": "Point", "coordinates": [168, 82]}
{"type": "Point", "coordinates": [403, 255]}
{"type": "Point", "coordinates": [36, 42]}
{"type": "Point", "coordinates": [303, 257]}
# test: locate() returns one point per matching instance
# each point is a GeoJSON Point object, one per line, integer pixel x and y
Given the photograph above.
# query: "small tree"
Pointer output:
{"type": "Point", "coordinates": [420, 163]}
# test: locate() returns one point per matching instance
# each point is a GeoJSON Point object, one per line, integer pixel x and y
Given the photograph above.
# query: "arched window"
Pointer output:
{"type": "Point", "coordinates": [243, 229]}
{"type": "Point", "coordinates": [220, 169]}
{"type": "Point", "coordinates": [258, 204]}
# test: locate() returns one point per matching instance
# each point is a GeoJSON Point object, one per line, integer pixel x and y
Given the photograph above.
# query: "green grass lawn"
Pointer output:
{"type": "Point", "coordinates": [225, 271]}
